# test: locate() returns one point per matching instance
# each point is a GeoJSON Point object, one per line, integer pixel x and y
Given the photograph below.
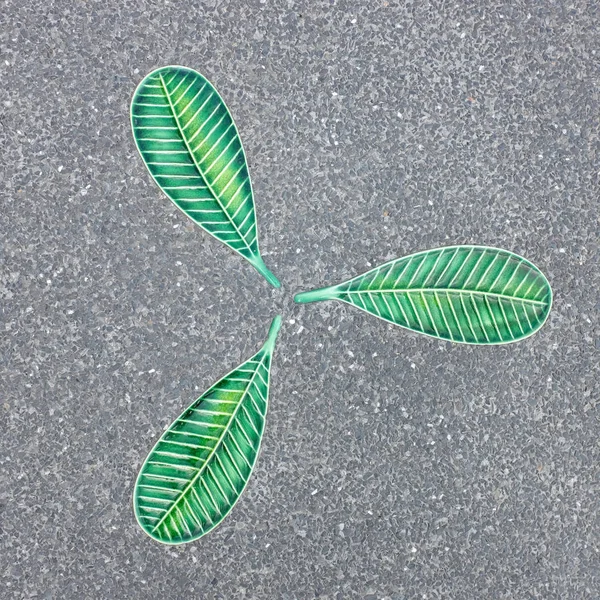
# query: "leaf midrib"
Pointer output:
{"type": "Point", "coordinates": [447, 290]}
{"type": "Point", "coordinates": [196, 164]}
{"type": "Point", "coordinates": [217, 444]}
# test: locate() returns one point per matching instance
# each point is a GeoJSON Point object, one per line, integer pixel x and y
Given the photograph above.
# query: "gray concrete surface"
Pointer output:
{"type": "Point", "coordinates": [394, 466]}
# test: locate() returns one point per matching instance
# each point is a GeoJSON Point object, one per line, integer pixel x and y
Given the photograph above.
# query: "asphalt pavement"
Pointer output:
{"type": "Point", "coordinates": [393, 466]}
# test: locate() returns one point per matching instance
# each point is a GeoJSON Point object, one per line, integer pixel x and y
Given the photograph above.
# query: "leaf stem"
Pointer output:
{"type": "Point", "coordinates": [313, 296]}
{"type": "Point", "coordinates": [273, 331]}
{"type": "Point", "coordinates": [259, 265]}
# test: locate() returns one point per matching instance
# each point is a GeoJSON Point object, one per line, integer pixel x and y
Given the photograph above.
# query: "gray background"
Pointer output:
{"type": "Point", "coordinates": [393, 465]}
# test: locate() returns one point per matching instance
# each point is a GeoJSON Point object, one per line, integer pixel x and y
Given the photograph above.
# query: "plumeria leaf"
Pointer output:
{"type": "Point", "coordinates": [191, 146]}
{"type": "Point", "coordinates": [200, 466]}
{"type": "Point", "coordinates": [467, 294]}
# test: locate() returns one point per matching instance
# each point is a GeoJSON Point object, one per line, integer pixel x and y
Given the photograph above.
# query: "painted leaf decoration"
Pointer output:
{"type": "Point", "coordinates": [200, 466]}
{"type": "Point", "coordinates": [467, 294]}
{"type": "Point", "coordinates": [191, 146]}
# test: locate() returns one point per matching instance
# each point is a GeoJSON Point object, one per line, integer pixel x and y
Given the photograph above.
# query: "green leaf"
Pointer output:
{"type": "Point", "coordinates": [190, 144]}
{"type": "Point", "coordinates": [466, 294]}
{"type": "Point", "coordinates": [200, 466]}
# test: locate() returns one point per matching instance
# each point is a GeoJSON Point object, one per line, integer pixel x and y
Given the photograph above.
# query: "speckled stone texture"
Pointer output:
{"type": "Point", "coordinates": [393, 466]}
